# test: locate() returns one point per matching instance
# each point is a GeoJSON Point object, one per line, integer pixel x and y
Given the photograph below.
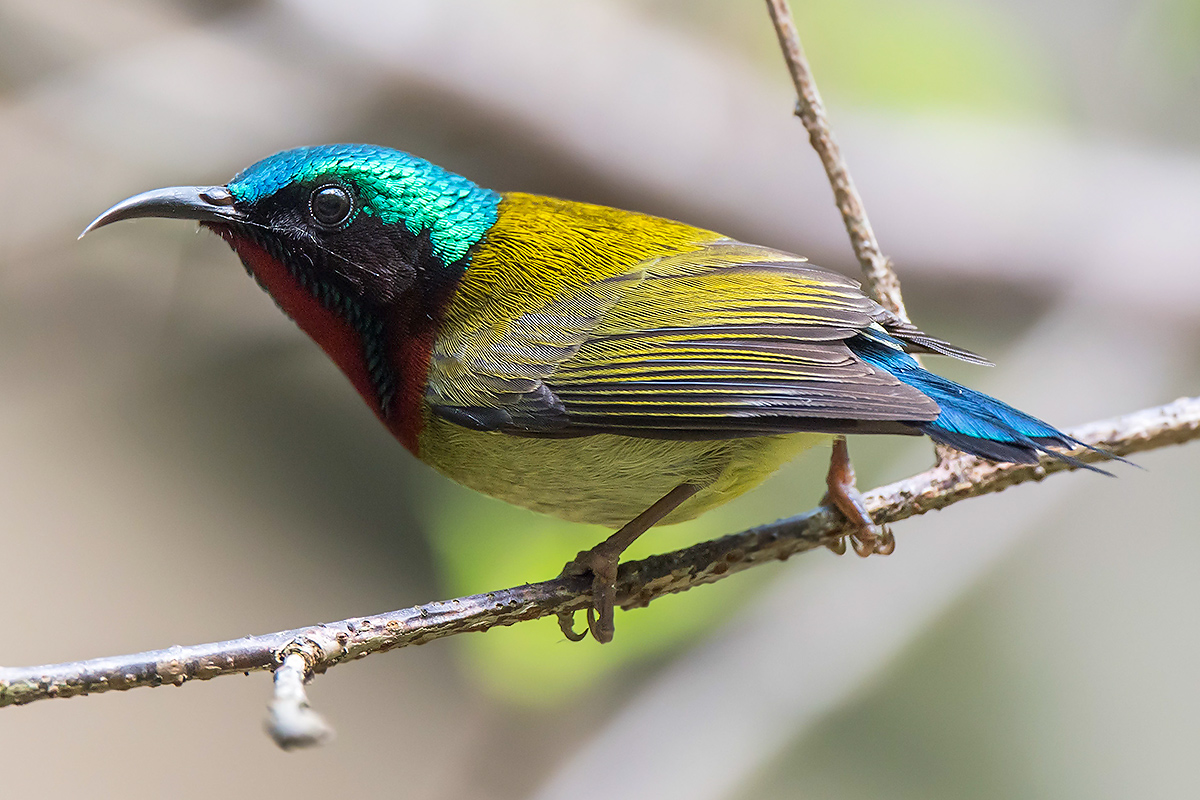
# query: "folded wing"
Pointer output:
{"type": "Point", "coordinates": [724, 340]}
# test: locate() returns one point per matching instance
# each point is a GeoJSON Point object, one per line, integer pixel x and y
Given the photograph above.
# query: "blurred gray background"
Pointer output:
{"type": "Point", "coordinates": [180, 465]}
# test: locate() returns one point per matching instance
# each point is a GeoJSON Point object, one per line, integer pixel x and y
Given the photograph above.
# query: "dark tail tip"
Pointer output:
{"type": "Point", "coordinates": [1021, 449]}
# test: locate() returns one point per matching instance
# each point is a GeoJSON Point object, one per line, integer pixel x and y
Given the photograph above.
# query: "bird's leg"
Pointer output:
{"type": "Point", "coordinates": [602, 561]}
{"type": "Point", "coordinates": [867, 537]}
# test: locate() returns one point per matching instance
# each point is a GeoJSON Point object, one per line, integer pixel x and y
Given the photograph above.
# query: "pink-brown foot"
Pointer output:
{"type": "Point", "coordinates": [866, 538]}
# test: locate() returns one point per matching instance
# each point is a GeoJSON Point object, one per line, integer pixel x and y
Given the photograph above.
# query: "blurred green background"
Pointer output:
{"type": "Point", "coordinates": [180, 465]}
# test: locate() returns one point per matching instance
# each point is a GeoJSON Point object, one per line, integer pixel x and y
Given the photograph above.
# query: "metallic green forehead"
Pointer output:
{"type": "Point", "coordinates": [395, 187]}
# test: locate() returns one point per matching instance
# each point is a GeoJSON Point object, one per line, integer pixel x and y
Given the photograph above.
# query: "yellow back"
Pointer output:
{"type": "Point", "coordinates": [542, 248]}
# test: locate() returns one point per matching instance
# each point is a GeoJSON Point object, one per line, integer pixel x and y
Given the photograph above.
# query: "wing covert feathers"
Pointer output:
{"type": "Point", "coordinates": [695, 336]}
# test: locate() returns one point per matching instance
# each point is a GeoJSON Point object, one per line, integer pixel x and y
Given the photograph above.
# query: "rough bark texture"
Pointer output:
{"type": "Point", "coordinates": [323, 646]}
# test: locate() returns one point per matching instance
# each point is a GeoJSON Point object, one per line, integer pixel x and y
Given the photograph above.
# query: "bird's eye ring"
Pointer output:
{"type": "Point", "coordinates": [331, 205]}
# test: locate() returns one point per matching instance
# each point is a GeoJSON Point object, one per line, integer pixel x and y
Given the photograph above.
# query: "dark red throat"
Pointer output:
{"type": "Point", "coordinates": [341, 341]}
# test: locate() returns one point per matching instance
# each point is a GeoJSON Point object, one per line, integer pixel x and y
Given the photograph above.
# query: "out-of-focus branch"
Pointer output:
{"type": "Point", "coordinates": [877, 268]}
{"type": "Point", "coordinates": [317, 648]}
{"type": "Point", "coordinates": [291, 722]}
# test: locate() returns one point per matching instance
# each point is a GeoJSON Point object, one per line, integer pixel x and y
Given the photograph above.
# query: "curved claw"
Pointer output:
{"type": "Point", "coordinates": [596, 628]}
{"type": "Point", "coordinates": [600, 614]}
{"type": "Point", "coordinates": [566, 624]}
{"type": "Point", "coordinates": [863, 545]}
{"type": "Point", "coordinates": [602, 563]}
{"type": "Point", "coordinates": [886, 544]}
{"type": "Point", "coordinates": [873, 540]}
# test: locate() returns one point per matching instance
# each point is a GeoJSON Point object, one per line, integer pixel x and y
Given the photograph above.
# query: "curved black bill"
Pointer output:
{"type": "Point", "coordinates": [203, 203]}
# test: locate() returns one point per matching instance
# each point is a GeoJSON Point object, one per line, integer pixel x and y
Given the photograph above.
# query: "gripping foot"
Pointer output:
{"type": "Point", "coordinates": [867, 538]}
{"type": "Point", "coordinates": [602, 560]}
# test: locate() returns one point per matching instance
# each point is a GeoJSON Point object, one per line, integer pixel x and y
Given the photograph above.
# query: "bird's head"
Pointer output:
{"type": "Point", "coordinates": [366, 219]}
{"type": "Point", "coordinates": [360, 245]}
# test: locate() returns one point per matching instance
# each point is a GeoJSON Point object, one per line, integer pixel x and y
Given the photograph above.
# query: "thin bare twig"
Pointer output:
{"type": "Point", "coordinates": [880, 278]}
{"type": "Point", "coordinates": [639, 582]}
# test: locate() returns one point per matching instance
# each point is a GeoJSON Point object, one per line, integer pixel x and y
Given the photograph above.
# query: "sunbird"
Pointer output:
{"type": "Point", "coordinates": [599, 365]}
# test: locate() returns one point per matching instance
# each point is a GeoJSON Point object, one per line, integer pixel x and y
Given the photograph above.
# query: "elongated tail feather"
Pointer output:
{"type": "Point", "coordinates": [969, 420]}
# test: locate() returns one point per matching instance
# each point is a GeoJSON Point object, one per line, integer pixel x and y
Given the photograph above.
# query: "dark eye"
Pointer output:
{"type": "Point", "coordinates": [331, 205]}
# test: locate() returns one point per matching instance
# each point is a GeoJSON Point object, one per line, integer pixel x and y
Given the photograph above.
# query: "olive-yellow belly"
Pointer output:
{"type": "Point", "coordinates": [605, 479]}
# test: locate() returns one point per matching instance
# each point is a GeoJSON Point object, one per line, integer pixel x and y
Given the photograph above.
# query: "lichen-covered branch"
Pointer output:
{"type": "Point", "coordinates": [881, 279]}
{"type": "Point", "coordinates": [324, 646]}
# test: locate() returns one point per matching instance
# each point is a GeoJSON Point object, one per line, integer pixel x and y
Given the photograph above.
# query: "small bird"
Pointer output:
{"type": "Point", "coordinates": [598, 365]}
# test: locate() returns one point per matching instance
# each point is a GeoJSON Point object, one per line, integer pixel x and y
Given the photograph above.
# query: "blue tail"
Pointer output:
{"type": "Point", "coordinates": [969, 421]}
